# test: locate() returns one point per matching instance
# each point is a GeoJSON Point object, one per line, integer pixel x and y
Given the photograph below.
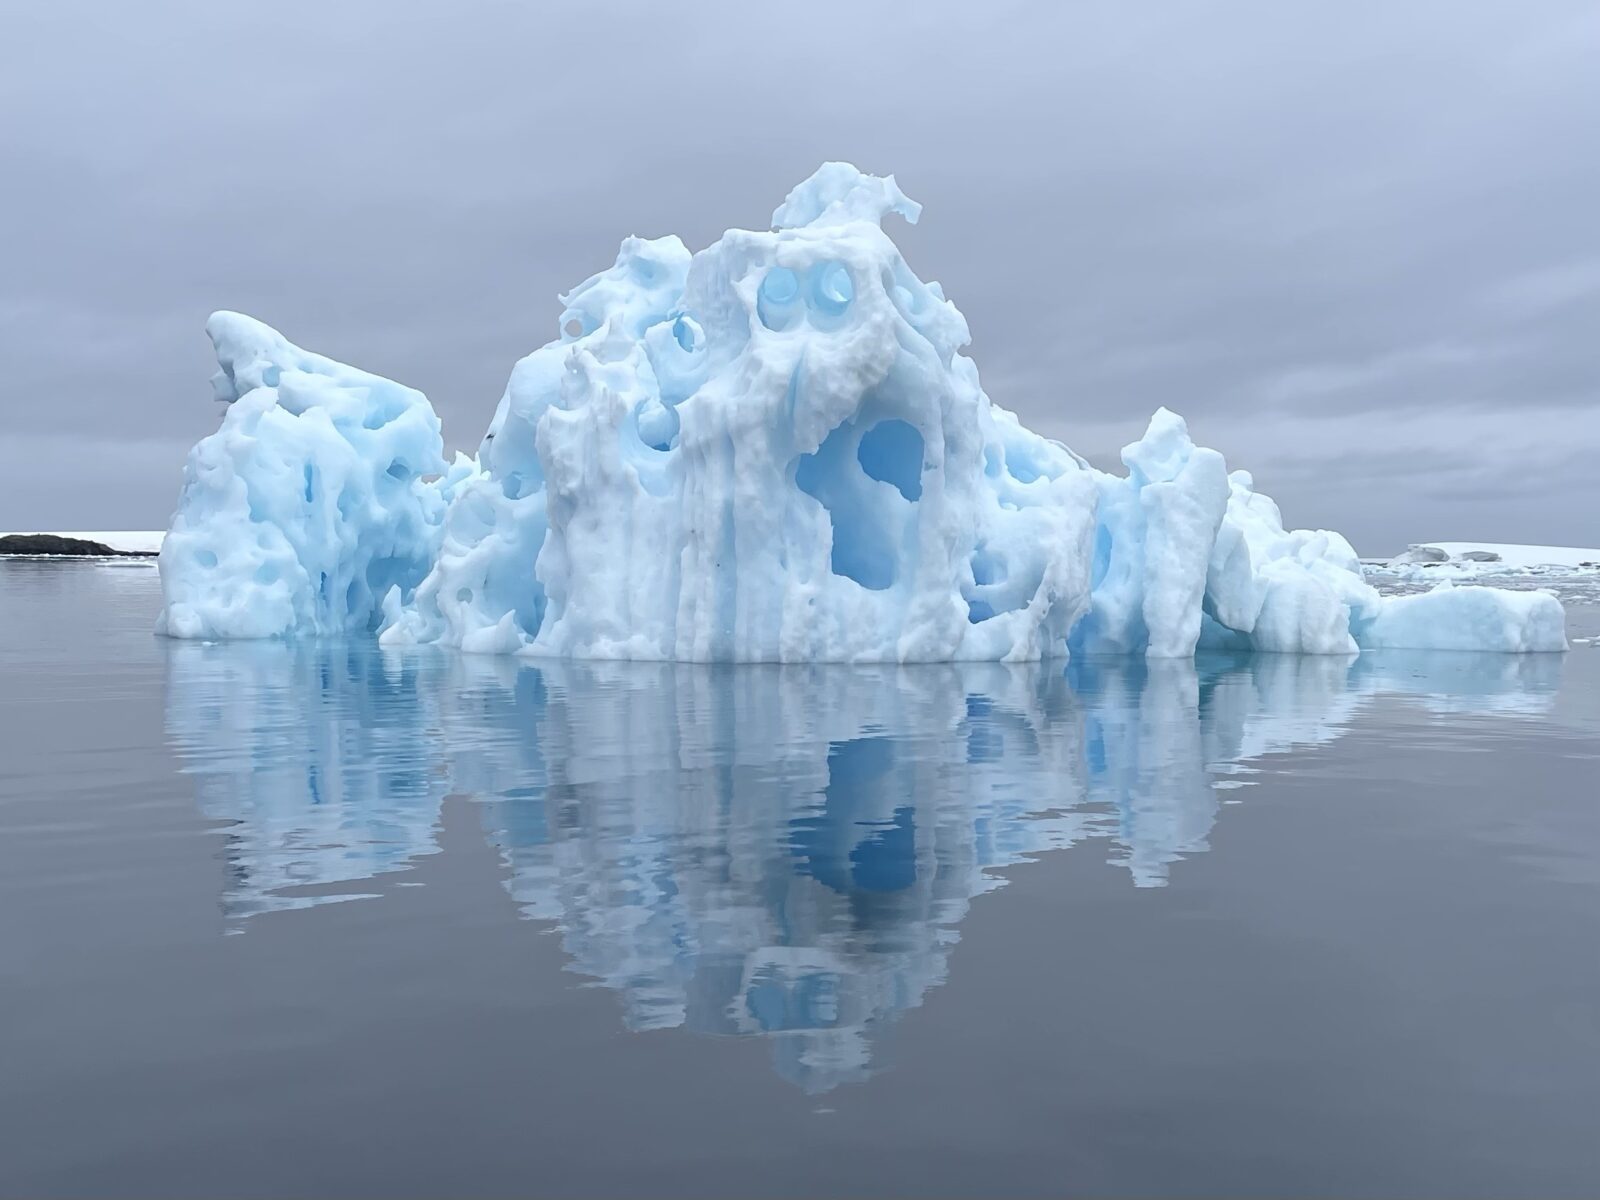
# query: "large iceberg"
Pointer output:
{"type": "Point", "coordinates": [770, 450]}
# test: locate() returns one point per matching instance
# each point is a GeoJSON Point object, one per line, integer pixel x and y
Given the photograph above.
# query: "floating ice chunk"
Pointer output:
{"type": "Point", "coordinates": [309, 504]}
{"type": "Point", "coordinates": [1467, 618]}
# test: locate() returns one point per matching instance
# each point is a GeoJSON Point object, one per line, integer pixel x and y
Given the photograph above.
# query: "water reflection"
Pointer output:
{"type": "Point", "coordinates": [785, 852]}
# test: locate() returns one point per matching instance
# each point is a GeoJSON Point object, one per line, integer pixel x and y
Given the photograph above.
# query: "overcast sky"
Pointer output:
{"type": "Point", "coordinates": [1356, 245]}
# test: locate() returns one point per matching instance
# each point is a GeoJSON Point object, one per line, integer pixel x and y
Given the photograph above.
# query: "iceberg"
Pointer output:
{"type": "Point", "coordinates": [772, 450]}
{"type": "Point", "coordinates": [1478, 618]}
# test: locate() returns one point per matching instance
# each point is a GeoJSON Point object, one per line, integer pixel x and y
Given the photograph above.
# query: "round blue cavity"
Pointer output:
{"type": "Point", "coordinates": [832, 289]}
{"type": "Point", "coordinates": [688, 333]}
{"type": "Point", "coordinates": [776, 297]}
{"type": "Point", "coordinates": [780, 286]}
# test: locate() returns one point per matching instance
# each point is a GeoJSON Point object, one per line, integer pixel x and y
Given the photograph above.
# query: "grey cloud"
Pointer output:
{"type": "Point", "coordinates": [1254, 213]}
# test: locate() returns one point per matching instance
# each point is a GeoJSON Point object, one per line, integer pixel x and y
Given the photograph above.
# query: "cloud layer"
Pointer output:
{"type": "Point", "coordinates": [1355, 245]}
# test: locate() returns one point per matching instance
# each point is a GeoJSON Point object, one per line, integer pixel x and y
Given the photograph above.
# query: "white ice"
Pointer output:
{"type": "Point", "coordinates": [1517, 557]}
{"type": "Point", "coordinates": [769, 450]}
{"type": "Point", "coordinates": [309, 504]}
{"type": "Point", "coordinates": [1462, 618]}
{"type": "Point", "coordinates": [1458, 562]}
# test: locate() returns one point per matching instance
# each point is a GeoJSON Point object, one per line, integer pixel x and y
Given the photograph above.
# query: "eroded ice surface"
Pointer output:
{"type": "Point", "coordinates": [309, 504]}
{"type": "Point", "coordinates": [769, 450]}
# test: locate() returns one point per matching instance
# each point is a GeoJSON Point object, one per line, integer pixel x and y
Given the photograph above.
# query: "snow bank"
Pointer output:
{"type": "Point", "coordinates": [770, 450]}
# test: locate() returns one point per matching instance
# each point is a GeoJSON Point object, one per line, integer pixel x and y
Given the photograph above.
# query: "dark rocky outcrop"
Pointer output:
{"type": "Point", "coordinates": [51, 544]}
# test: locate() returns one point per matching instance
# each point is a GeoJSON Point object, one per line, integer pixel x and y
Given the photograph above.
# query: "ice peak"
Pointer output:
{"type": "Point", "coordinates": [838, 193]}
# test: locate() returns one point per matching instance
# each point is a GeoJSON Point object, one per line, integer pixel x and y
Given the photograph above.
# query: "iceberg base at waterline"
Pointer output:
{"type": "Point", "coordinates": [772, 450]}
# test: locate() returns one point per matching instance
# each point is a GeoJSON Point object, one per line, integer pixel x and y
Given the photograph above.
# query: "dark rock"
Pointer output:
{"type": "Point", "coordinates": [49, 543]}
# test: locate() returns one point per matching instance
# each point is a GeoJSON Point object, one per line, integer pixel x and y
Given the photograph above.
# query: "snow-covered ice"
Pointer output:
{"type": "Point", "coordinates": [1572, 573]}
{"type": "Point", "coordinates": [769, 450]}
{"type": "Point", "coordinates": [1516, 557]}
{"type": "Point", "coordinates": [1471, 560]}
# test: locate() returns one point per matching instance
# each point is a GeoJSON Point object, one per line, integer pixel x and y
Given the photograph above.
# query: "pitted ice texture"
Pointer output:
{"type": "Point", "coordinates": [773, 449]}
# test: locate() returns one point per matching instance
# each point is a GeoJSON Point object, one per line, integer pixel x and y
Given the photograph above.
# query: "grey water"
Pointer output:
{"type": "Point", "coordinates": [323, 920]}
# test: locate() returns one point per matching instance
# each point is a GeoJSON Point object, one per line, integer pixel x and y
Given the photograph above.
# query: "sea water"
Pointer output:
{"type": "Point", "coordinates": [331, 919]}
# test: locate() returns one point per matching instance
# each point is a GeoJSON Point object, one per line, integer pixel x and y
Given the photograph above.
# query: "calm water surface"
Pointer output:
{"type": "Point", "coordinates": [282, 921]}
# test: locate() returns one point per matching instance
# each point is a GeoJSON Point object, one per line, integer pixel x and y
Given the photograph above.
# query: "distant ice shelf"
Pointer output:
{"type": "Point", "coordinates": [1495, 557]}
{"type": "Point", "coordinates": [1527, 556]}
{"type": "Point", "coordinates": [769, 450]}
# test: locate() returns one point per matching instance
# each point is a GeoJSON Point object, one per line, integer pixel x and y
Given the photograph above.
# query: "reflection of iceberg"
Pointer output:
{"type": "Point", "coordinates": [312, 757]}
{"type": "Point", "coordinates": [1445, 682]}
{"type": "Point", "coordinates": [781, 851]}
{"type": "Point", "coordinates": [785, 852]}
